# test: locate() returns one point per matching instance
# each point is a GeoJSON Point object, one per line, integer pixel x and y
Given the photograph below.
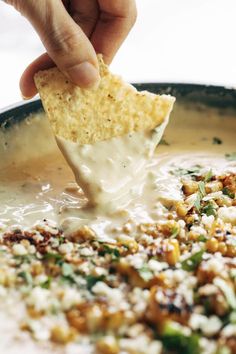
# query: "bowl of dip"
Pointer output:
{"type": "Point", "coordinates": [68, 274]}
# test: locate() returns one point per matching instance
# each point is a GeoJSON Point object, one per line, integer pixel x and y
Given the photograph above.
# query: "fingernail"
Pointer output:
{"type": "Point", "coordinates": [84, 75]}
{"type": "Point", "coordinates": [25, 98]}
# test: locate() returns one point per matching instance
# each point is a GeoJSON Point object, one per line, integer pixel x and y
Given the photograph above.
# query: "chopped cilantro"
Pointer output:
{"type": "Point", "coordinates": [191, 263]}
{"type": "Point", "coordinates": [164, 142]}
{"type": "Point", "coordinates": [197, 202]}
{"type": "Point", "coordinates": [110, 250]}
{"type": "Point", "coordinates": [27, 277]}
{"type": "Point", "coordinates": [46, 284]}
{"type": "Point", "coordinates": [201, 193]}
{"type": "Point", "coordinates": [202, 238]}
{"type": "Point", "coordinates": [174, 232]}
{"type": "Point", "coordinates": [176, 340]}
{"type": "Point", "coordinates": [56, 257]}
{"type": "Point", "coordinates": [68, 273]}
{"type": "Point", "coordinates": [201, 188]}
{"type": "Point", "coordinates": [208, 176]}
{"type": "Point", "coordinates": [209, 209]}
{"type": "Point", "coordinates": [227, 192]}
{"type": "Point", "coordinates": [67, 270]}
{"type": "Point", "coordinates": [216, 140]}
{"type": "Point", "coordinates": [92, 280]}
{"type": "Point", "coordinates": [192, 171]}
{"type": "Point", "coordinates": [145, 273]}
{"type": "Point", "coordinates": [231, 156]}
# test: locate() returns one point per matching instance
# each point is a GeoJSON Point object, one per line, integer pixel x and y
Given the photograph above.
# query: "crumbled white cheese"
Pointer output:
{"type": "Point", "coordinates": [229, 331]}
{"type": "Point", "coordinates": [113, 295]}
{"type": "Point", "coordinates": [71, 297]}
{"type": "Point", "coordinates": [140, 345]}
{"type": "Point", "coordinates": [181, 223]}
{"type": "Point", "coordinates": [228, 214]}
{"type": "Point", "coordinates": [86, 252]}
{"type": "Point", "coordinates": [196, 320]}
{"type": "Point", "coordinates": [136, 260]}
{"type": "Point", "coordinates": [39, 298]}
{"type": "Point", "coordinates": [208, 220]}
{"type": "Point", "coordinates": [214, 265]}
{"type": "Point", "coordinates": [198, 230]}
{"type": "Point", "coordinates": [156, 266]}
{"type": "Point", "coordinates": [66, 248]}
{"type": "Point", "coordinates": [19, 250]}
{"type": "Point", "coordinates": [211, 326]}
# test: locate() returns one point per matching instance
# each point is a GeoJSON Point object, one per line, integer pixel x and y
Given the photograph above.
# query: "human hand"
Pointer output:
{"type": "Point", "coordinates": [73, 31]}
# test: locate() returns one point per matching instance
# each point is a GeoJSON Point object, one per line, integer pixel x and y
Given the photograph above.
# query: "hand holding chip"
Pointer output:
{"type": "Point", "coordinates": [72, 31]}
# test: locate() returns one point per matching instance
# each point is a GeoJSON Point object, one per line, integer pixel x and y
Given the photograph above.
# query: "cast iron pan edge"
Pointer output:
{"type": "Point", "coordinates": [214, 96]}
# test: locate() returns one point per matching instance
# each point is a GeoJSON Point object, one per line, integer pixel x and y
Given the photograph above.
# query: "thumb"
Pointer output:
{"type": "Point", "coordinates": [65, 42]}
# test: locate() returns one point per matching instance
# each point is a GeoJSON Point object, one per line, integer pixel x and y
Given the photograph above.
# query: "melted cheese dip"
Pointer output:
{"type": "Point", "coordinates": [37, 184]}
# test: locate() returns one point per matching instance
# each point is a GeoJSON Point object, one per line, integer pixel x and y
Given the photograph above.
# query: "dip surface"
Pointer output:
{"type": "Point", "coordinates": [38, 192]}
{"type": "Point", "coordinates": [37, 183]}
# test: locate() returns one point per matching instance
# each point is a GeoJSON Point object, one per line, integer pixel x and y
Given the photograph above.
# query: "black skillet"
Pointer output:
{"type": "Point", "coordinates": [209, 96]}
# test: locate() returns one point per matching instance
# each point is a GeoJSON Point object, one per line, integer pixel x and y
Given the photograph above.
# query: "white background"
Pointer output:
{"type": "Point", "coordinates": [172, 41]}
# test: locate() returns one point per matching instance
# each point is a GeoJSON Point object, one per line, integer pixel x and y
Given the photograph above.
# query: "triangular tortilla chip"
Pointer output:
{"type": "Point", "coordinates": [113, 109]}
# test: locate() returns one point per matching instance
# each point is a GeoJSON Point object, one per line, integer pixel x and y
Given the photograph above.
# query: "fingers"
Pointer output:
{"type": "Point", "coordinates": [117, 17]}
{"type": "Point", "coordinates": [66, 43]}
{"type": "Point", "coordinates": [85, 14]}
{"type": "Point", "coordinates": [27, 85]}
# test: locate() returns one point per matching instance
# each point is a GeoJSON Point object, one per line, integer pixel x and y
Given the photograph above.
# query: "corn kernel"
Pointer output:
{"type": "Point", "coordinates": [62, 335]}
{"type": "Point", "coordinates": [128, 242]}
{"type": "Point", "coordinates": [222, 248]}
{"type": "Point", "coordinates": [214, 186]}
{"type": "Point", "coordinates": [190, 187]}
{"type": "Point", "coordinates": [231, 251]}
{"type": "Point", "coordinates": [172, 252]}
{"type": "Point", "coordinates": [181, 209]}
{"type": "Point", "coordinates": [193, 236]}
{"type": "Point", "coordinates": [107, 345]}
{"type": "Point", "coordinates": [212, 245]}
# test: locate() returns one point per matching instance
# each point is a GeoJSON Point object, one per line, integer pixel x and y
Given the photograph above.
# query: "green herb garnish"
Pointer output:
{"type": "Point", "coordinates": [227, 192]}
{"type": "Point", "coordinates": [209, 209]}
{"type": "Point", "coordinates": [193, 171]}
{"type": "Point", "coordinates": [177, 341]}
{"type": "Point", "coordinates": [67, 270]}
{"type": "Point", "coordinates": [191, 263]}
{"type": "Point", "coordinates": [27, 277]}
{"type": "Point", "coordinates": [145, 273]}
{"type": "Point", "coordinates": [46, 284]}
{"type": "Point", "coordinates": [174, 232]}
{"type": "Point", "coordinates": [201, 193]}
{"type": "Point", "coordinates": [231, 156]}
{"type": "Point", "coordinates": [68, 273]}
{"type": "Point", "coordinates": [201, 188]}
{"type": "Point", "coordinates": [110, 250]}
{"type": "Point", "coordinates": [216, 140]}
{"type": "Point", "coordinates": [197, 202]}
{"type": "Point", "coordinates": [92, 280]}
{"type": "Point", "coordinates": [164, 142]}
{"type": "Point", "coordinates": [208, 176]}
{"type": "Point", "coordinates": [202, 238]}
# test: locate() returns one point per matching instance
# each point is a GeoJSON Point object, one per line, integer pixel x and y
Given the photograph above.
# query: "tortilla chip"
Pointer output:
{"type": "Point", "coordinates": [113, 109]}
